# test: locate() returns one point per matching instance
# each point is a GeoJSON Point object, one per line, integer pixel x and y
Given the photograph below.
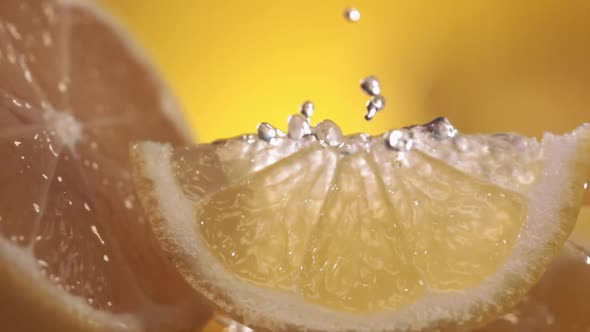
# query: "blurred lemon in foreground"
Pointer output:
{"type": "Point", "coordinates": [487, 66]}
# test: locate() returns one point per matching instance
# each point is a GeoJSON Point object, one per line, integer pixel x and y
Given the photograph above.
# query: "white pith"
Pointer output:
{"type": "Point", "coordinates": [277, 310]}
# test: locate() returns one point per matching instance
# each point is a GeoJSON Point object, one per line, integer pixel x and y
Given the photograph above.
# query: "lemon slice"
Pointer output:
{"type": "Point", "coordinates": [420, 228]}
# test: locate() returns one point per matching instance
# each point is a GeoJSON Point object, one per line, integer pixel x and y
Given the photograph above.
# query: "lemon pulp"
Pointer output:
{"type": "Point", "coordinates": [335, 232]}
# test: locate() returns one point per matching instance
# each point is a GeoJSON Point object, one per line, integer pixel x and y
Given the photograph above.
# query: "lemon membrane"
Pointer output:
{"type": "Point", "coordinates": [420, 228]}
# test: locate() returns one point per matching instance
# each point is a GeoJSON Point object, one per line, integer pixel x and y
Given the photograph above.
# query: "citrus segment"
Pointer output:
{"type": "Point", "coordinates": [75, 246]}
{"type": "Point", "coordinates": [420, 228]}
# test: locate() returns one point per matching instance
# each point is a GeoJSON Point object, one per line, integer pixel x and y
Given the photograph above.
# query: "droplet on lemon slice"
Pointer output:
{"type": "Point", "coordinates": [76, 250]}
{"type": "Point", "coordinates": [420, 228]}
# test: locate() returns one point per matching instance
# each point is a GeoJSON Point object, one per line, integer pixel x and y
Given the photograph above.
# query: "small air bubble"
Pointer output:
{"type": "Point", "coordinates": [94, 166]}
{"type": "Point", "coordinates": [36, 207]}
{"type": "Point", "coordinates": [588, 260]}
{"type": "Point", "coordinates": [585, 185]}
{"type": "Point", "coordinates": [109, 303]}
{"type": "Point", "coordinates": [93, 145]}
{"type": "Point", "coordinates": [352, 14]}
{"type": "Point", "coordinates": [44, 176]}
{"type": "Point", "coordinates": [59, 179]}
{"type": "Point", "coordinates": [106, 258]}
{"type": "Point", "coordinates": [17, 143]}
{"type": "Point", "coordinates": [233, 254]}
{"type": "Point", "coordinates": [42, 263]}
{"type": "Point", "coordinates": [90, 300]}
{"type": "Point", "coordinates": [37, 238]}
{"type": "Point", "coordinates": [86, 206]}
{"type": "Point", "coordinates": [17, 103]}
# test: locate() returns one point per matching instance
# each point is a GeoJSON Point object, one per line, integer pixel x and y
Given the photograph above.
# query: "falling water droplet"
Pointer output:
{"type": "Point", "coordinates": [374, 105]}
{"type": "Point", "coordinates": [328, 134]}
{"type": "Point", "coordinates": [370, 85]}
{"type": "Point", "coordinates": [352, 14]}
{"type": "Point", "coordinates": [306, 109]}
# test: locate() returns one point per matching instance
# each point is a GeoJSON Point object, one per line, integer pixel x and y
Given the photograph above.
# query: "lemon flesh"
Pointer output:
{"type": "Point", "coordinates": [294, 234]}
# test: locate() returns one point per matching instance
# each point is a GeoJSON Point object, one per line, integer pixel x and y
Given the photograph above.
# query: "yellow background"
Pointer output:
{"type": "Point", "coordinates": [486, 65]}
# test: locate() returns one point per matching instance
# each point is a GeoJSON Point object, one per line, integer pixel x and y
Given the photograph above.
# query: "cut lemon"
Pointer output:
{"type": "Point", "coordinates": [420, 228]}
{"type": "Point", "coordinates": [76, 251]}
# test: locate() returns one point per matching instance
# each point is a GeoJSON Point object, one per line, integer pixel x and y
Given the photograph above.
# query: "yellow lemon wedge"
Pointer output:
{"type": "Point", "coordinates": [420, 228]}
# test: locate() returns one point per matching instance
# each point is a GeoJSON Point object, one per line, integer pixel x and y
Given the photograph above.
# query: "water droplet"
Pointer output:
{"type": "Point", "coordinates": [585, 185]}
{"type": "Point", "coordinates": [44, 176]}
{"type": "Point", "coordinates": [17, 103]}
{"type": "Point", "coordinates": [370, 86]}
{"type": "Point", "coordinates": [28, 75]}
{"type": "Point", "coordinates": [297, 126]}
{"type": "Point", "coordinates": [588, 260]}
{"type": "Point", "coordinates": [17, 143]}
{"type": "Point", "coordinates": [42, 263]}
{"type": "Point", "coordinates": [59, 179]}
{"type": "Point", "coordinates": [352, 14]}
{"type": "Point", "coordinates": [328, 134]}
{"type": "Point", "coordinates": [441, 128]}
{"type": "Point", "coordinates": [46, 37]}
{"type": "Point", "coordinates": [109, 303]}
{"type": "Point", "coordinates": [106, 258]}
{"type": "Point", "coordinates": [95, 231]}
{"type": "Point", "coordinates": [374, 105]}
{"type": "Point", "coordinates": [370, 114]}
{"type": "Point", "coordinates": [128, 203]}
{"type": "Point", "coordinates": [36, 207]}
{"type": "Point", "coordinates": [62, 87]}
{"type": "Point", "coordinates": [306, 109]}
{"type": "Point", "coordinates": [13, 31]}
{"type": "Point", "coordinates": [266, 131]}
{"type": "Point", "coordinates": [399, 140]}
{"type": "Point", "coordinates": [86, 206]}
